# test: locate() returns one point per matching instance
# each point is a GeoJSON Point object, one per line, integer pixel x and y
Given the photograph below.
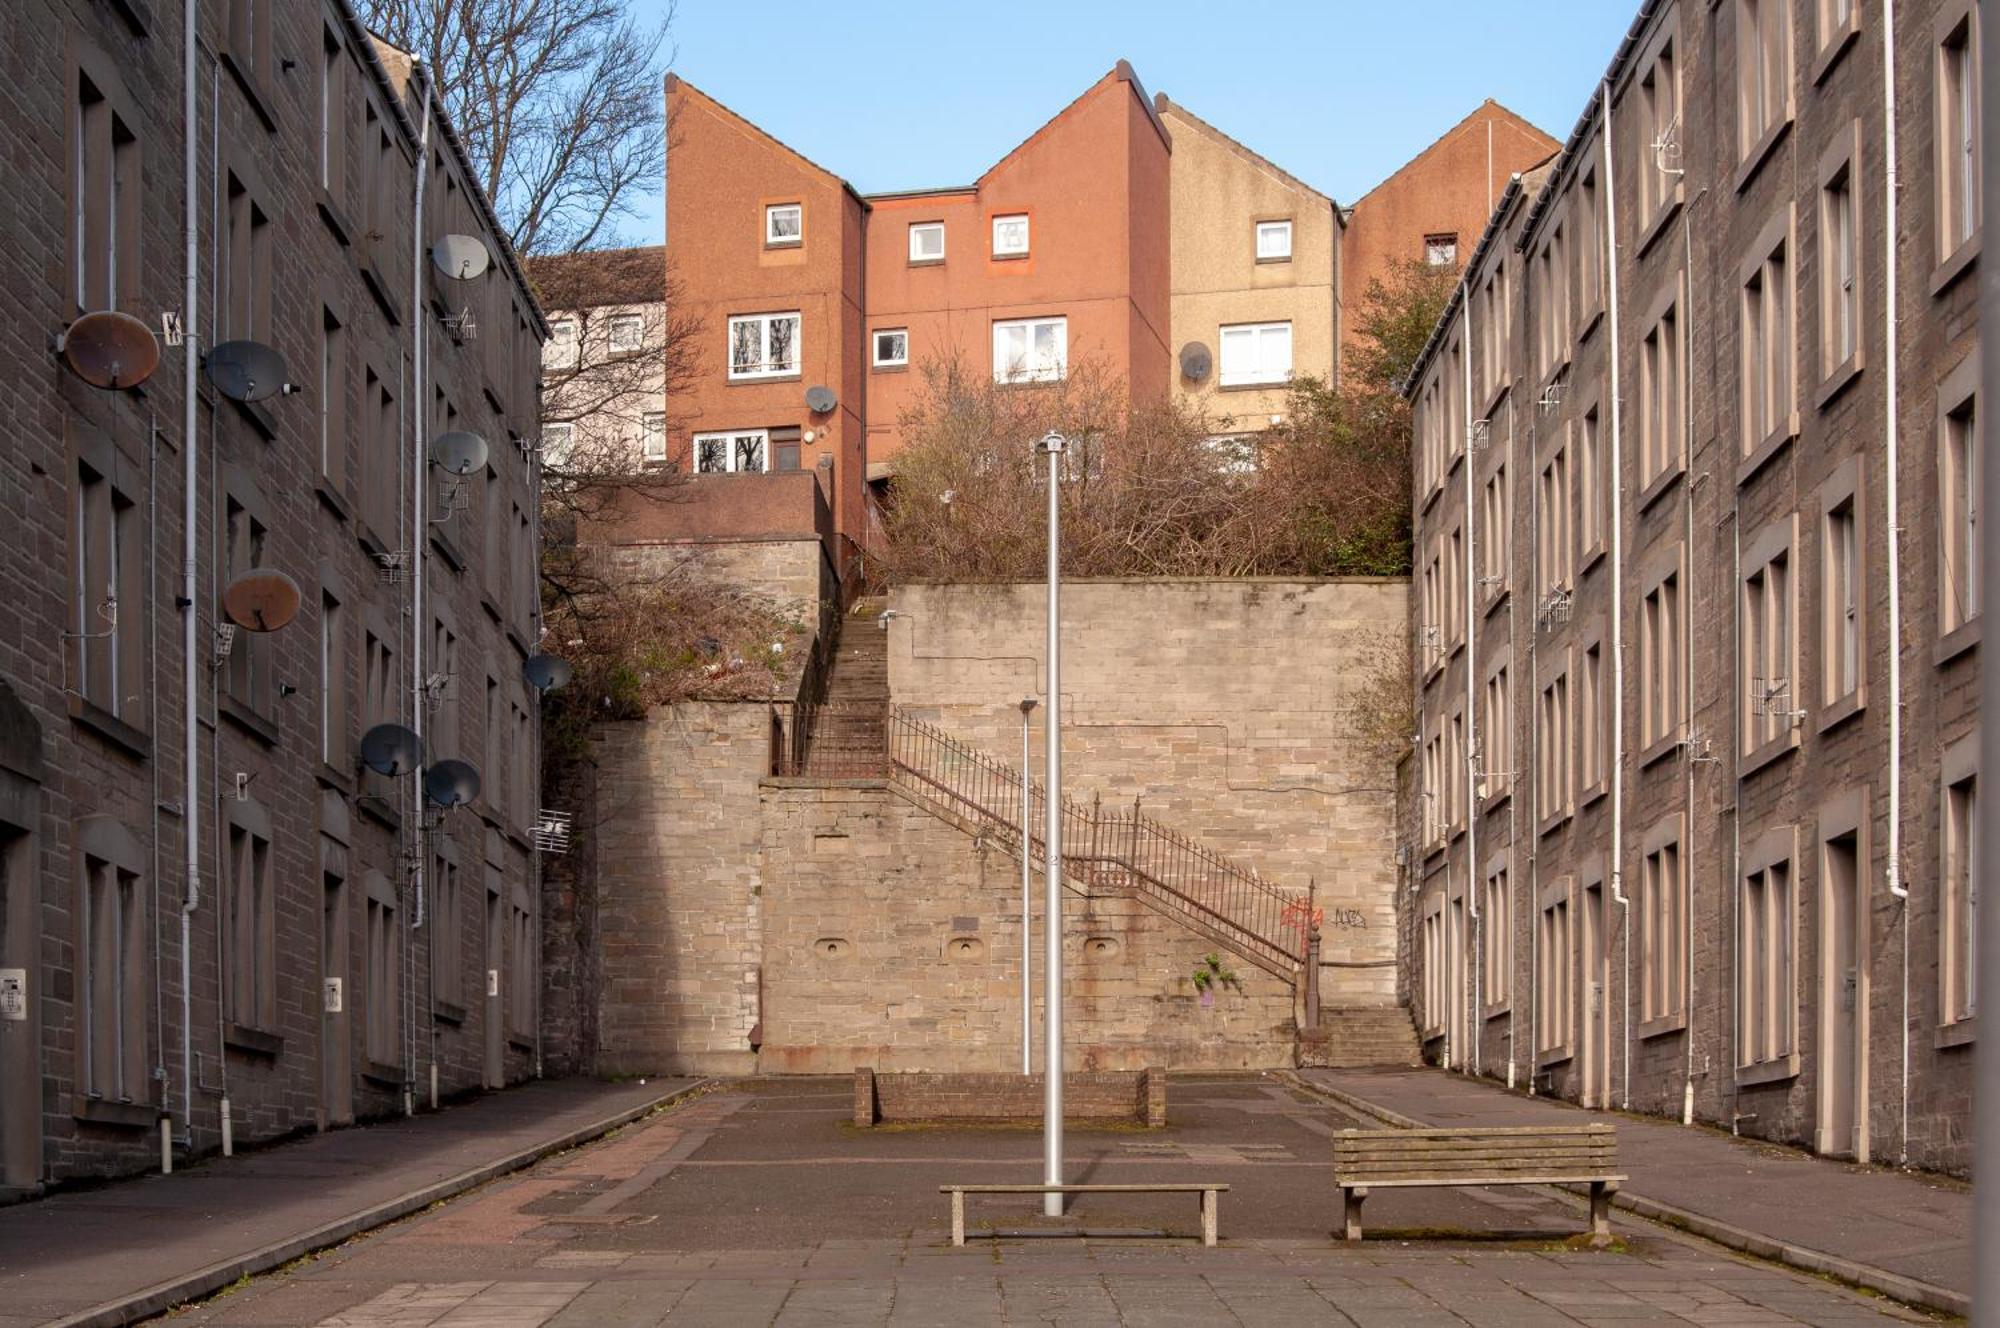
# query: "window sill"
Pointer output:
{"type": "Point", "coordinates": [1841, 709]}
{"type": "Point", "coordinates": [1496, 800]}
{"type": "Point", "coordinates": [888, 368]}
{"type": "Point", "coordinates": [89, 715]}
{"type": "Point", "coordinates": [493, 397]}
{"type": "Point", "coordinates": [336, 220]}
{"type": "Point", "coordinates": [1836, 381]}
{"type": "Point", "coordinates": [252, 1041]}
{"type": "Point", "coordinates": [1554, 1056]}
{"type": "Point", "coordinates": [1497, 1010]}
{"type": "Point", "coordinates": [260, 419]}
{"type": "Point", "coordinates": [1278, 259]}
{"type": "Point", "coordinates": [1589, 797]}
{"type": "Point", "coordinates": [1553, 822]}
{"type": "Point", "coordinates": [1589, 559]}
{"type": "Point", "coordinates": [1665, 1026]}
{"type": "Point", "coordinates": [378, 286]}
{"type": "Point", "coordinates": [332, 499]}
{"type": "Point", "coordinates": [123, 1115]}
{"type": "Point", "coordinates": [258, 725]}
{"type": "Point", "coordinates": [1494, 599]}
{"type": "Point", "coordinates": [926, 262]}
{"type": "Point", "coordinates": [333, 777]}
{"type": "Point", "coordinates": [1007, 258]}
{"type": "Point", "coordinates": [449, 1012]}
{"type": "Point", "coordinates": [1760, 152]}
{"type": "Point", "coordinates": [1654, 229]}
{"type": "Point", "coordinates": [1760, 455]}
{"type": "Point", "coordinates": [253, 91]}
{"type": "Point", "coordinates": [1957, 1033]}
{"type": "Point", "coordinates": [1590, 323]}
{"type": "Point", "coordinates": [521, 1041]}
{"type": "Point", "coordinates": [1661, 482]}
{"type": "Point", "coordinates": [1781, 746]}
{"type": "Point", "coordinates": [1768, 1072]}
{"type": "Point", "coordinates": [754, 380]}
{"type": "Point", "coordinates": [375, 1072]}
{"type": "Point", "coordinates": [1956, 642]}
{"type": "Point", "coordinates": [134, 14]}
{"type": "Point", "coordinates": [379, 810]}
{"type": "Point", "coordinates": [1956, 265]}
{"type": "Point", "coordinates": [492, 608]}
{"type": "Point", "coordinates": [1658, 750]}
{"type": "Point", "coordinates": [1254, 385]}
{"type": "Point", "coordinates": [442, 544]}
{"type": "Point", "coordinates": [799, 243]}
{"type": "Point", "coordinates": [1829, 54]}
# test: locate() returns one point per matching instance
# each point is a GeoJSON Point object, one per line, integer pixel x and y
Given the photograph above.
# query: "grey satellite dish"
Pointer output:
{"type": "Point", "coordinates": [546, 672]}
{"type": "Point", "coordinates": [262, 599]}
{"type": "Point", "coordinates": [1196, 362]}
{"type": "Point", "coordinates": [820, 400]}
{"type": "Point", "coordinates": [110, 349]}
{"type": "Point", "coordinates": [458, 451]}
{"type": "Point", "coordinates": [391, 749]}
{"type": "Point", "coordinates": [460, 257]}
{"type": "Point", "coordinates": [451, 783]}
{"type": "Point", "coordinates": [245, 370]}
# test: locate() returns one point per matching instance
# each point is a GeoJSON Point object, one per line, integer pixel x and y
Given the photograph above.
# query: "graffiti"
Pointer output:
{"type": "Point", "coordinates": [1299, 915]}
{"type": "Point", "coordinates": [1350, 919]}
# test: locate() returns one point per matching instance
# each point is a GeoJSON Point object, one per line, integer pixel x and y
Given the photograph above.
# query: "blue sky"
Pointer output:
{"type": "Point", "coordinates": [909, 94]}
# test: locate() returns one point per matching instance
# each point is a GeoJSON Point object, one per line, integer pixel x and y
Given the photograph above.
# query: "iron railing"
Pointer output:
{"type": "Point", "coordinates": [1105, 849]}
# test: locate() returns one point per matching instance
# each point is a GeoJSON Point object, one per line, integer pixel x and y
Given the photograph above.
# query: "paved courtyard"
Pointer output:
{"type": "Point", "coordinates": [761, 1204]}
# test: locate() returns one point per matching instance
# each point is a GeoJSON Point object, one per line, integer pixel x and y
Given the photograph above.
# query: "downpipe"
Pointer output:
{"type": "Point", "coordinates": [1617, 607]}
{"type": "Point", "coordinates": [1892, 868]}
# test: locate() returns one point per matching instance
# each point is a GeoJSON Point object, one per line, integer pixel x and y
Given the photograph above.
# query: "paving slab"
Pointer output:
{"type": "Point", "coordinates": [1897, 1231]}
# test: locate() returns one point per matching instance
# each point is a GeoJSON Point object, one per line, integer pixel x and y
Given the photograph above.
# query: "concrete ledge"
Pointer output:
{"type": "Point", "coordinates": [162, 1296]}
{"type": "Point", "coordinates": [1139, 1096]}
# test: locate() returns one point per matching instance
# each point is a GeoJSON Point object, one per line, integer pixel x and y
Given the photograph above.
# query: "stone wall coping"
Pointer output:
{"type": "Point", "coordinates": [1173, 581]}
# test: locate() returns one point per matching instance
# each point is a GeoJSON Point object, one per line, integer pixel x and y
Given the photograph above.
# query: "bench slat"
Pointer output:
{"type": "Point", "coordinates": [1174, 1188]}
{"type": "Point", "coordinates": [1473, 1132]}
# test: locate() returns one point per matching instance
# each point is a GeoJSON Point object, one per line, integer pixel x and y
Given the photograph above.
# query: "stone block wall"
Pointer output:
{"type": "Point", "coordinates": [1139, 1097]}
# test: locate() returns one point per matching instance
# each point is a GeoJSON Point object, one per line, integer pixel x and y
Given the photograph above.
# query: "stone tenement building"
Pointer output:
{"type": "Point", "coordinates": [215, 916]}
{"type": "Point", "coordinates": [1697, 624]}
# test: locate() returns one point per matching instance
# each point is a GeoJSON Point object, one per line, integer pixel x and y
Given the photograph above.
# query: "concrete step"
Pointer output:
{"type": "Point", "coordinates": [1356, 1037]}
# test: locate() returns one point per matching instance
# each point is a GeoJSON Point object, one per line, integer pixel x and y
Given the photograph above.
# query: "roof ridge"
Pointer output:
{"type": "Point", "coordinates": [675, 81]}
{"type": "Point", "coordinates": [1164, 103]}
{"type": "Point", "coordinates": [1464, 122]}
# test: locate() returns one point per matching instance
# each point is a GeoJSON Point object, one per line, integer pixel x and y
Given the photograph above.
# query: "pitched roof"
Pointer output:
{"type": "Point", "coordinates": [600, 277]}
{"type": "Point", "coordinates": [1480, 113]}
{"type": "Point", "coordinates": [676, 83]}
{"type": "Point", "coordinates": [1163, 104]}
{"type": "Point", "coordinates": [1121, 72]}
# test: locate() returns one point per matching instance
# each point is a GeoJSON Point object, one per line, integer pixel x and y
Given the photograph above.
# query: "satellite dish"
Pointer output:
{"type": "Point", "coordinates": [1196, 361]}
{"type": "Point", "coordinates": [110, 349]}
{"type": "Point", "coordinates": [820, 400]}
{"type": "Point", "coordinates": [451, 783]}
{"type": "Point", "coordinates": [262, 599]}
{"type": "Point", "coordinates": [460, 257]}
{"type": "Point", "coordinates": [391, 749]}
{"type": "Point", "coordinates": [546, 672]}
{"type": "Point", "coordinates": [458, 451]}
{"type": "Point", "coordinates": [245, 370]}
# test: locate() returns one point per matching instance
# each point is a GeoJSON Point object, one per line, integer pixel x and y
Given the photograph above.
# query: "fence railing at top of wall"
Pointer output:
{"type": "Point", "coordinates": [1109, 849]}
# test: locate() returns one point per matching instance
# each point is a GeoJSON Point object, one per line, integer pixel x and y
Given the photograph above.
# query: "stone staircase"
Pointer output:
{"type": "Point", "coordinates": [1361, 1036]}
{"type": "Point", "coordinates": [849, 725]}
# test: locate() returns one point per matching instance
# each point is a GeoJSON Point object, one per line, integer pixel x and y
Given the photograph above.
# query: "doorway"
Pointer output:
{"type": "Point", "coordinates": [1841, 1128]}
{"type": "Point", "coordinates": [336, 999]}
{"type": "Point", "coordinates": [493, 1072]}
{"type": "Point", "coordinates": [1595, 957]}
{"type": "Point", "coordinates": [1459, 1054]}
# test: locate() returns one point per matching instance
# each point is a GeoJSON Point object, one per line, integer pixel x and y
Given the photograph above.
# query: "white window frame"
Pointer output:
{"type": "Point", "coordinates": [1257, 333]}
{"type": "Point", "coordinates": [875, 348]}
{"type": "Point", "coordinates": [556, 439]}
{"type": "Point", "coordinates": [729, 438]}
{"type": "Point", "coordinates": [625, 334]}
{"type": "Point", "coordinates": [1280, 229]}
{"type": "Point", "coordinates": [1441, 249]}
{"type": "Point", "coordinates": [925, 228]}
{"type": "Point", "coordinates": [765, 321]}
{"type": "Point", "coordinates": [1005, 220]}
{"type": "Point", "coordinates": [564, 347]}
{"type": "Point", "coordinates": [653, 436]}
{"type": "Point", "coordinates": [1032, 374]}
{"type": "Point", "coordinates": [773, 240]}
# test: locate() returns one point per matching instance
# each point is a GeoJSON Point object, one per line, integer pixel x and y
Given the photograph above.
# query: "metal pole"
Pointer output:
{"type": "Point", "coordinates": [1986, 1066]}
{"type": "Point", "coordinates": [1052, 1044]}
{"type": "Point", "coordinates": [1027, 897]}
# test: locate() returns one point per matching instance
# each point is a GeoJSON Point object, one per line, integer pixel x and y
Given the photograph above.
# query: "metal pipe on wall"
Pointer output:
{"type": "Point", "coordinates": [1616, 486]}
{"type": "Point", "coordinates": [1027, 893]}
{"type": "Point", "coordinates": [1467, 587]}
{"type": "Point", "coordinates": [1052, 1038]}
{"type": "Point", "coordinates": [419, 536]}
{"type": "Point", "coordinates": [190, 551]}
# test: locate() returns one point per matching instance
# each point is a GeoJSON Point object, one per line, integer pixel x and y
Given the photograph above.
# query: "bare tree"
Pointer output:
{"type": "Point", "coordinates": [558, 103]}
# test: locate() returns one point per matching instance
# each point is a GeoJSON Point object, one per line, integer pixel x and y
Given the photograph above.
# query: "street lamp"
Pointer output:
{"type": "Point", "coordinates": [1028, 704]}
{"type": "Point", "coordinates": [1052, 1044]}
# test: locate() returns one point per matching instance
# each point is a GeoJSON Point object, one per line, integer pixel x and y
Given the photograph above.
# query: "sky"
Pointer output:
{"type": "Point", "coordinates": [910, 95]}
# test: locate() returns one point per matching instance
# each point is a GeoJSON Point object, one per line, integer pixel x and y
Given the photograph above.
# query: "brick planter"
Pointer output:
{"type": "Point", "coordinates": [1139, 1096]}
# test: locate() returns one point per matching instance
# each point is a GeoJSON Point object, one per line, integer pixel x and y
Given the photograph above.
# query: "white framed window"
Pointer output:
{"type": "Point", "coordinates": [653, 436]}
{"type": "Point", "coordinates": [1274, 241]}
{"type": "Point", "coordinates": [1766, 945]}
{"type": "Point", "coordinates": [1256, 353]}
{"type": "Point", "coordinates": [764, 345]}
{"type": "Point", "coordinates": [625, 334]}
{"type": "Point", "coordinates": [1010, 235]}
{"type": "Point", "coordinates": [736, 452]}
{"type": "Point", "coordinates": [1441, 250]}
{"type": "Point", "coordinates": [785, 224]}
{"type": "Point", "coordinates": [1030, 350]}
{"type": "Point", "coordinates": [927, 242]}
{"type": "Point", "coordinates": [562, 349]}
{"type": "Point", "coordinates": [892, 347]}
{"type": "Point", "coordinates": [556, 440]}
{"type": "Point", "coordinates": [1958, 919]}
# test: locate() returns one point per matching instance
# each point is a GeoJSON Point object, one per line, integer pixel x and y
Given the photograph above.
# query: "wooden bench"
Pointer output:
{"type": "Point", "coordinates": [1208, 1193]}
{"type": "Point", "coordinates": [1365, 1160]}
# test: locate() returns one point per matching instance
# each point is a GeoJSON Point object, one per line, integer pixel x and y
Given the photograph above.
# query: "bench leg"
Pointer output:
{"type": "Point", "coordinates": [1600, 1211]}
{"type": "Point", "coordinates": [1352, 1197]}
{"type": "Point", "coordinates": [1208, 1217]}
{"type": "Point", "coordinates": [958, 1217]}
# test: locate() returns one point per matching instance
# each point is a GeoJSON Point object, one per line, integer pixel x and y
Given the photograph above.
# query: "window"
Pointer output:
{"type": "Point", "coordinates": [332, 115]}
{"type": "Point", "coordinates": [379, 694]}
{"type": "Point", "coordinates": [763, 345]}
{"type": "Point", "coordinates": [1840, 270]}
{"type": "Point", "coordinates": [784, 224]}
{"type": "Point", "coordinates": [246, 265]}
{"type": "Point", "coordinates": [1660, 408]}
{"type": "Point", "coordinates": [1552, 269]}
{"type": "Point", "coordinates": [1662, 929]}
{"type": "Point", "coordinates": [247, 672]}
{"type": "Point", "coordinates": [625, 334]}
{"type": "Point", "coordinates": [1435, 608]}
{"type": "Point", "coordinates": [1769, 667]}
{"type": "Point", "coordinates": [1031, 350]}
{"type": "Point", "coordinates": [1441, 250]}
{"type": "Point", "coordinates": [1958, 136]}
{"type": "Point", "coordinates": [1552, 538]}
{"type": "Point", "coordinates": [441, 688]}
{"type": "Point", "coordinates": [251, 976]}
{"type": "Point", "coordinates": [1435, 984]}
{"type": "Point", "coordinates": [1837, 18]}
{"type": "Point", "coordinates": [1591, 490]}
{"type": "Point", "coordinates": [1434, 789]}
{"type": "Point", "coordinates": [563, 349]}
{"type": "Point", "coordinates": [332, 400]}
{"type": "Point", "coordinates": [383, 456]}
{"type": "Point", "coordinates": [1958, 966]}
{"type": "Point", "coordinates": [1766, 943]}
{"type": "Point", "coordinates": [743, 451]}
{"type": "Point", "coordinates": [1763, 70]}
{"type": "Point", "coordinates": [1255, 353]}
{"type": "Point", "coordinates": [1454, 772]}
{"type": "Point", "coordinates": [382, 963]}
{"type": "Point", "coordinates": [111, 956]}
{"type": "Point", "coordinates": [1662, 653]}
{"type": "Point", "coordinates": [1553, 751]}
{"type": "Point", "coordinates": [927, 242]}
{"type": "Point", "coordinates": [249, 47]}
{"type": "Point", "coordinates": [1767, 348]}
{"type": "Point", "coordinates": [556, 442]}
{"type": "Point", "coordinates": [892, 348]}
{"type": "Point", "coordinates": [1451, 569]}
{"type": "Point", "coordinates": [1555, 1004]}
{"type": "Point", "coordinates": [1010, 235]}
{"type": "Point", "coordinates": [1589, 247]}
{"type": "Point", "coordinates": [333, 711]}
{"type": "Point", "coordinates": [107, 588]}
{"type": "Point", "coordinates": [1959, 464]}
{"type": "Point", "coordinates": [1497, 737]}
{"type": "Point", "coordinates": [1841, 588]}
{"type": "Point", "coordinates": [447, 923]}
{"type": "Point", "coordinates": [1492, 333]}
{"type": "Point", "coordinates": [1660, 121]}
{"type": "Point", "coordinates": [1591, 718]}
{"type": "Point", "coordinates": [1496, 515]}
{"type": "Point", "coordinates": [1496, 936]}
{"type": "Point", "coordinates": [104, 202]}
{"type": "Point", "coordinates": [653, 437]}
{"type": "Point", "coordinates": [524, 757]}
{"type": "Point", "coordinates": [521, 951]}
{"type": "Point", "coordinates": [1274, 241]}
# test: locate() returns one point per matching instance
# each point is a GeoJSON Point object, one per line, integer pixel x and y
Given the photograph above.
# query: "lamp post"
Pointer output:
{"type": "Point", "coordinates": [1028, 704]}
{"type": "Point", "coordinates": [1052, 1042]}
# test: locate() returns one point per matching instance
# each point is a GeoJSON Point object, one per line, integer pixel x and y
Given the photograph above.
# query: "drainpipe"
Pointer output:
{"type": "Point", "coordinates": [1893, 511]}
{"type": "Point", "coordinates": [190, 553]}
{"type": "Point", "coordinates": [1687, 489]}
{"type": "Point", "coordinates": [1617, 600]}
{"type": "Point", "coordinates": [227, 1121]}
{"type": "Point", "coordinates": [419, 535]}
{"type": "Point", "coordinates": [1468, 586]}
{"type": "Point", "coordinates": [1533, 765]}
{"type": "Point", "coordinates": [1513, 793]}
